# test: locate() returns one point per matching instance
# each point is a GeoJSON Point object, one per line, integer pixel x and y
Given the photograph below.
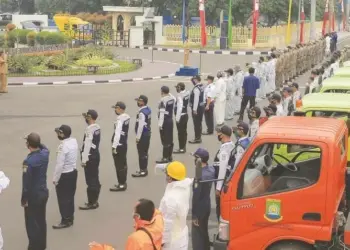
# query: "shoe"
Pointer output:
{"type": "Point", "coordinates": [118, 188]}
{"type": "Point", "coordinates": [62, 225]}
{"type": "Point", "coordinates": [162, 161]}
{"type": "Point", "coordinates": [179, 151]}
{"type": "Point", "coordinates": [89, 206]}
{"type": "Point", "coordinates": [207, 133]}
{"type": "Point", "coordinates": [141, 173]}
{"type": "Point", "coordinates": [195, 141]}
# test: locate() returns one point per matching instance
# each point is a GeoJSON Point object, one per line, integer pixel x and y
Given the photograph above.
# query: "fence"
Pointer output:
{"type": "Point", "coordinates": [241, 36]}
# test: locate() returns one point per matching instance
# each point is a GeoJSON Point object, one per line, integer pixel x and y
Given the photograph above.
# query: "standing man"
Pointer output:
{"type": "Point", "coordinates": [296, 94]}
{"type": "Point", "coordinates": [174, 207]}
{"type": "Point", "coordinates": [221, 161]}
{"type": "Point", "coordinates": [276, 100]}
{"type": "Point", "coordinates": [220, 99]}
{"type": "Point", "coordinates": [3, 72]}
{"type": "Point", "coordinates": [262, 77]}
{"type": "Point", "coordinates": [181, 116]}
{"type": "Point", "coordinates": [143, 134]}
{"type": "Point", "coordinates": [90, 159]}
{"type": "Point", "coordinates": [254, 116]}
{"type": "Point", "coordinates": [166, 124]}
{"type": "Point", "coordinates": [238, 84]}
{"type": "Point", "coordinates": [66, 175]}
{"type": "Point", "coordinates": [288, 106]}
{"type": "Point", "coordinates": [201, 204]}
{"type": "Point", "coordinates": [229, 109]}
{"type": "Point", "coordinates": [250, 86]}
{"type": "Point", "coordinates": [34, 191]}
{"type": "Point", "coordinates": [209, 94]}
{"type": "Point", "coordinates": [197, 106]}
{"type": "Point", "coordinates": [120, 146]}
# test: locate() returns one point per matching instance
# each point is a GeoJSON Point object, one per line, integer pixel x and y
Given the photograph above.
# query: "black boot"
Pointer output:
{"type": "Point", "coordinates": [141, 173]}
{"type": "Point", "coordinates": [163, 160]}
{"type": "Point", "coordinates": [89, 206]}
{"type": "Point", "coordinates": [195, 141]}
{"type": "Point", "coordinates": [179, 151]}
{"type": "Point", "coordinates": [118, 188]}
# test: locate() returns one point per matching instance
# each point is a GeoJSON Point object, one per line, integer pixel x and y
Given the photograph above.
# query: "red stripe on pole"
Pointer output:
{"type": "Point", "coordinates": [255, 20]}
{"type": "Point", "coordinates": [202, 23]}
{"type": "Point", "coordinates": [302, 17]}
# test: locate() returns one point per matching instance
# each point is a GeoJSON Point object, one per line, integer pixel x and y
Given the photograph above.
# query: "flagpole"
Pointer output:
{"type": "Point", "coordinates": [229, 40]}
{"type": "Point", "coordinates": [288, 36]}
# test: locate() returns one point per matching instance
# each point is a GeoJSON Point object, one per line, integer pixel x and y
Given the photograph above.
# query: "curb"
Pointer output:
{"type": "Point", "coordinates": [210, 52]}
{"type": "Point", "coordinates": [91, 81]}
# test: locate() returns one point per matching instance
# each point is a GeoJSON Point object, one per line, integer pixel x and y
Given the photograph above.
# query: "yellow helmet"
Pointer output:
{"type": "Point", "coordinates": [176, 170]}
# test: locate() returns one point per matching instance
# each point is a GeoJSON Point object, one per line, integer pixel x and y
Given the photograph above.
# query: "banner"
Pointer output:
{"type": "Point", "coordinates": [202, 22]}
{"type": "Point", "coordinates": [255, 21]}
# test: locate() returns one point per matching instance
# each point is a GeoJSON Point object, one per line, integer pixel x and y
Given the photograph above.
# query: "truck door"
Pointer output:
{"type": "Point", "coordinates": [275, 198]}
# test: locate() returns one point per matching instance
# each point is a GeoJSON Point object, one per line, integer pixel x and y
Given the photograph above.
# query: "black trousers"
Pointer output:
{"type": "Point", "coordinates": [197, 123]}
{"type": "Point", "coordinates": [121, 165]}
{"type": "Point", "coordinates": [91, 171]}
{"type": "Point", "coordinates": [217, 199]}
{"type": "Point", "coordinates": [167, 139]}
{"type": "Point", "coordinates": [142, 149]}
{"type": "Point", "coordinates": [200, 234]}
{"type": "Point", "coordinates": [35, 220]}
{"type": "Point", "coordinates": [244, 103]}
{"type": "Point", "coordinates": [182, 131]}
{"type": "Point", "coordinates": [65, 191]}
{"type": "Point", "coordinates": [209, 118]}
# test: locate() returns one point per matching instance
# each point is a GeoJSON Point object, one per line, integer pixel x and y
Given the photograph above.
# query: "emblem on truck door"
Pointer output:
{"type": "Point", "coordinates": [273, 212]}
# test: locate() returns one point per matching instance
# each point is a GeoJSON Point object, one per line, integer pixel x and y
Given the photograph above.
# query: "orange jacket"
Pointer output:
{"type": "Point", "coordinates": [139, 240]}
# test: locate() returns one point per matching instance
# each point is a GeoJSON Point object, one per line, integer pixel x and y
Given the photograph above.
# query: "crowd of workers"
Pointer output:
{"type": "Point", "coordinates": [220, 99]}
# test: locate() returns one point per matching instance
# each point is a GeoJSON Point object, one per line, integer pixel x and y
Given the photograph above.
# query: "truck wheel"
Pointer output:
{"type": "Point", "coordinates": [291, 245]}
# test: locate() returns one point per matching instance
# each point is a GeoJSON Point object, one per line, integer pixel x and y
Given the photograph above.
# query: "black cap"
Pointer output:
{"type": "Point", "coordinates": [295, 85]}
{"type": "Point", "coordinates": [257, 111]}
{"type": "Point", "coordinates": [165, 89]}
{"type": "Point", "coordinates": [271, 107]}
{"type": "Point", "coordinates": [180, 85]}
{"type": "Point", "coordinates": [288, 89]}
{"type": "Point", "coordinates": [210, 78]}
{"type": "Point", "coordinates": [92, 113]}
{"type": "Point", "coordinates": [64, 129]}
{"type": "Point", "coordinates": [201, 153]}
{"type": "Point", "coordinates": [230, 71]}
{"type": "Point", "coordinates": [276, 97]}
{"type": "Point", "coordinates": [197, 77]}
{"type": "Point", "coordinates": [120, 105]}
{"type": "Point", "coordinates": [142, 98]}
{"type": "Point", "coordinates": [33, 139]}
{"type": "Point", "coordinates": [244, 127]}
{"type": "Point", "coordinates": [226, 130]}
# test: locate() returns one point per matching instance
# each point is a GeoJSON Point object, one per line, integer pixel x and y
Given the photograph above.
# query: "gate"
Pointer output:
{"type": "Point", "coordinates": [101, 36]}
{"type": "Point", "coordinates": [149, 37]}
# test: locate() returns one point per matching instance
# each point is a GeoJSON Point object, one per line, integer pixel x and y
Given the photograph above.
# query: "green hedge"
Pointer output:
{"type": "Point", "coordinates": [49, 38]}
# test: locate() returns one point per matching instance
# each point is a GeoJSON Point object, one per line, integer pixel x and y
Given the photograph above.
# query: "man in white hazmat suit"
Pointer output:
{"type": "Point", "coordinates": [229, 109]}
{"type": "Point", "coordinates": [271, 84]}
{"type": "Point", "coordinates": [220, 98]}
{"type": "Point", "coordinates": [237, 90]}
{"type": "Point", "coordinates": [4, 182]}
{"type": "Point", "coordinates": [174, 207]}
{"type": "Point", "coordinates": [262, 77]}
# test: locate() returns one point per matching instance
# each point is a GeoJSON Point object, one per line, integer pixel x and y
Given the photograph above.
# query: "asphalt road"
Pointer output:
{"type": "Point", "coordinates": [42, 108]}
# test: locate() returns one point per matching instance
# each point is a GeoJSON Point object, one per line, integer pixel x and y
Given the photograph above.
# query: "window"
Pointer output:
{"type": "Point", "coordinates": [339, 91]}
{"type": "Point", "coordinates": [342, 146]}
{"type": "Point", "coordinates": [273, 169]}
{"type": "Point", "coordinates": [330, 114]}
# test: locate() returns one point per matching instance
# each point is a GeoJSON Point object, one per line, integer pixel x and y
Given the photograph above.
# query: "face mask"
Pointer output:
{"type": "Point", "coordinates": [219, 138]}
{"type": "Point", "coordinates": [236, 134]}
{"type": "Point", "coordinates": [116, 112]}
{"type": "Point", "coordinates": [178, 90]}
{"type": "Point", "coordinates": [60, 138]}
{"type": "Point", "coordinates": [87, 121]}
{"type": "Point", "coordinates": [139, 105]}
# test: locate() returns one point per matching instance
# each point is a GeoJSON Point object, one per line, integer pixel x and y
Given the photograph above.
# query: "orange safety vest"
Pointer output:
{"type": "Point", "coordinates": [140, 240]}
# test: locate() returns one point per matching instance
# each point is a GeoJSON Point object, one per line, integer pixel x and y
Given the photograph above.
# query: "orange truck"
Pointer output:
{"type": "Point", "coordinates": [299, 203]}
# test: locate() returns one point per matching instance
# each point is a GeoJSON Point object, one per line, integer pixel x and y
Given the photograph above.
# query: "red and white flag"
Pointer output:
{"type": "Point", "coordinates": [325, 18]}
{"type": "Point", "coordinates": [255, 20]}
{"type": "Point", "coordinates": [302, 21]}
{"type": "Point", "coordinates": [202, 22]}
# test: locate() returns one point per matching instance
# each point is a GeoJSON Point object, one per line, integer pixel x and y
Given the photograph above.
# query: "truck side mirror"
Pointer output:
{"type": "Point", "coordinates": [299, 113]}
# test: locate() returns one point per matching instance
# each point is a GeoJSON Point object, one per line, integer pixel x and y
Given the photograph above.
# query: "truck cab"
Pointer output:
{"type": "Point", "coordinates": [291, 205]}
{"type": "Point", "coordinates": [338, 85]}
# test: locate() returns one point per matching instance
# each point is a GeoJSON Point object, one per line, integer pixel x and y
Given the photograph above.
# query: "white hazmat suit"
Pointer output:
{"type": "Point", "coordinates": [174, 207]}
{"type": "Point", "coordinates": [238, 84]}
{"type": "Point", "coordinates": [220, 99]}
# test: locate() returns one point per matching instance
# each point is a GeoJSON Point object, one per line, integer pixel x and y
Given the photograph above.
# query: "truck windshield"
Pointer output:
{"type": "Point", "coordinates": [339, 91]}
{"type": "Point", "coordinates": [274, 168]}
{"type": "Point", "coordinates": [334, 114]}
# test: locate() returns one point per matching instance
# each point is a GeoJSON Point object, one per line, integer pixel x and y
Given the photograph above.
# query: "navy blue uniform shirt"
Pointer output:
{"type": "Point", "coordinates": [250, 85]}
{"type": "Point", "coordinates": [34, 185]}
{"type": "Point", "coordinates": [201, 193]}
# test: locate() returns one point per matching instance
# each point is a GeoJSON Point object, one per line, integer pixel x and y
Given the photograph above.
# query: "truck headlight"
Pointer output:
{"type": "Point", "coordinates": [224, 230]}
